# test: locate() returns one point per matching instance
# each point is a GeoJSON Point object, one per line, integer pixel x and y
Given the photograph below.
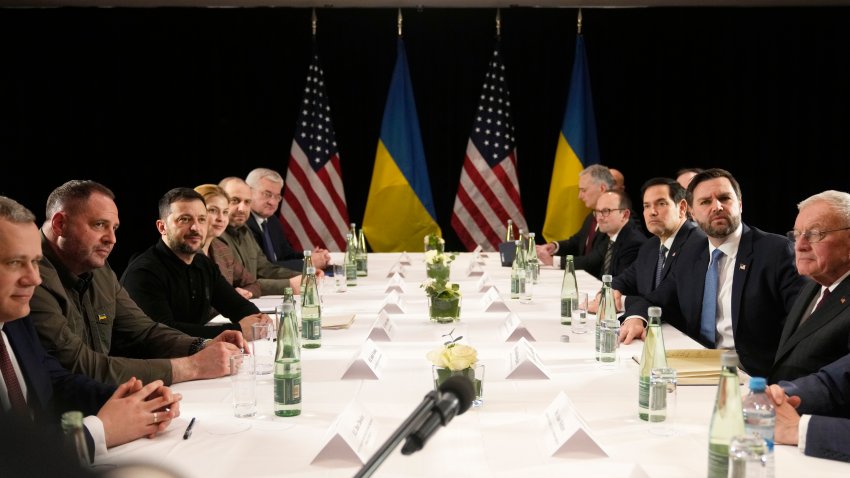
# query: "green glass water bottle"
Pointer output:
{"type": "Point", "coordinates": [654, 356]}
{"type": "Point", "coordinates": [287, 366]}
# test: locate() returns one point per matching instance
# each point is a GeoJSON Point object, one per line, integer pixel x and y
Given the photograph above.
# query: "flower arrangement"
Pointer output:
{"type": "Point", "coordinates": [434, 242]}
{"type": "Point", "coordinates": [435, 257]}
{"type": "Point", "coordinates": [452, 355]}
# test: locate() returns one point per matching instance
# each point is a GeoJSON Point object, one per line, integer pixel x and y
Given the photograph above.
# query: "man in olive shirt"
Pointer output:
{"type": "Point", "coordinates": [87, 320]}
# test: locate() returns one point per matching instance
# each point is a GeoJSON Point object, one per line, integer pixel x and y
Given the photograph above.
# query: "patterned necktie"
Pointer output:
{"type": "Point", "coordinates": [659, 266]}
{"type": "Point", "coordinates": [267, 242]}
{"type": "Point", "coordinates": [708, 318]}
{"type": "Point", "coordinates": [609, 258]}
{"type": "Point", "coordinates": [13, 387]}
{"type": "Point", "coordinates": [591, 234]}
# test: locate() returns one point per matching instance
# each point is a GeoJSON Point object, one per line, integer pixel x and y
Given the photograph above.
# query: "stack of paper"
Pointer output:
{"type": "Point", "coordinates": [694, 366]}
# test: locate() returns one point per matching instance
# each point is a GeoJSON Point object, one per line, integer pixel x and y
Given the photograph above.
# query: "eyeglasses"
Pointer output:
{"type": "Point", "coordinates": [812, 236]}
{"type": "Point", "coordinates": [268, 195]}
{"type": "Point", "coordinates": [605, 212]}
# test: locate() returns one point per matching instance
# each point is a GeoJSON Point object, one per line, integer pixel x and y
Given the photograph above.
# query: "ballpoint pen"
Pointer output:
{"type": "Point", "coordinates": [188, 431]}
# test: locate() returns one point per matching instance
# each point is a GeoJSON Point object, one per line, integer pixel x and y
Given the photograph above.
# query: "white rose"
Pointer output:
{"type": "Point", "coordinates": [461, 357]}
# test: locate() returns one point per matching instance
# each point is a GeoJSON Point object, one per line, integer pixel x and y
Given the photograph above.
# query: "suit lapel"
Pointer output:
{"type": "Point", "coordinates": [835, 304]}
{"type": "Point", "coordinates": [789, 339]}
{"type": "Point", "coordinates": [681, 237]}
{"type": "Point", "coordinates": [743, 264]}
{"type": "Point", "coordinates": [700, 264]}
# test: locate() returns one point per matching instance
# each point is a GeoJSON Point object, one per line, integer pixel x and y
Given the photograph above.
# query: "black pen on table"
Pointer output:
{"type": "Point", "coordinates": [188, 431]}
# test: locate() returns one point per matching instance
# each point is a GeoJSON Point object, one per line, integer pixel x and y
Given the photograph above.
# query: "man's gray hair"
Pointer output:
{"type": "Point", "coordinates": [600, 175]}
{"type": "Point", "coordinates": [838, 200]}
{"type": "Point", "coordinates": [15, 212]}
{"type": "Point", "coordinates": [254, 177]}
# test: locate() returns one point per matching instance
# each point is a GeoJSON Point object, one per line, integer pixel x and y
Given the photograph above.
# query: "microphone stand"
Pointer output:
{"type": "Point", "coordinates": [400, 434]}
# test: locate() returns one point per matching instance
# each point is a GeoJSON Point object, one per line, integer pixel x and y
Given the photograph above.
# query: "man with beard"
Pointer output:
{"type": "Point", "coordinates": [175, 285]}
{"type": "Point", "coordinates": [88, 321]}
{"type": "Point", "coordinates": [733, 289]}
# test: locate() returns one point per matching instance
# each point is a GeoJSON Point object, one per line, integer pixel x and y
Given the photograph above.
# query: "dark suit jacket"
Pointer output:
{"type": "Point", "coordinates": [51, 389]}
{"type": "Point", "coordinates": [764, 286]}
{"type": "Point", "coordinates": [638, 279]}
{"type": "Point", "coordinates": [575, 244]}
{"type": "Point", "coordinates": [625, 251]}
{"type": "Point", "coordinates": [822, 339]}
{"type": "Point", "coordinates": [826, 396]}
{"type": "Point", "coordinates": [286, 255]}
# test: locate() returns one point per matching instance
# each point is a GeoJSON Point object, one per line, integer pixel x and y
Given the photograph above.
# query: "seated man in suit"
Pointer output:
{"type": "Point", "coordinates": [823, 399]}
{"type": "Point", "coordinates": [622, 238]}
{"type": "Point", "coordinates": [273, 278]}
{"type": "Point", "coordinates": [592, 182]}
{"type": "Point", "coordinates": [176, 284]}
{"type": "Point", "coordinates": [88, 321]}
{"type": "Point", "coordinates": [665, 211]}
{"type": "Point", "coordinates": [817, 330]}
{"type": "Point", "coordinates": [733, 289]}
{"type": "Point", "coordinates": [266, 185]}
{"type": "Point", "coordinates": [34, 385]}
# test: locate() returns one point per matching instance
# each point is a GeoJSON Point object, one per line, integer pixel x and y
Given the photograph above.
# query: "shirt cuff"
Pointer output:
{"type": "Point", "coordinates": [557, 262]}
{"type": "Point", "coordinates": [802, 429]}
{"type": "Point", "coordinates": [557, 246]}
{"type": "Point", "coordinates": [635, 317]}
{"type": "Point", "coordinates": [95, 428]}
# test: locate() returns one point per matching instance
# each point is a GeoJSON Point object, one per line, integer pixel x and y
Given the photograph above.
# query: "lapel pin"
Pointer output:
{"type": "Point", "coordinates": [743, 267]}
{"type": "Point", "coordinates": [843, 299]}
{"type": "Point", "coordinates": [674, 254]}
{"type": "Point", "coordinates": [101, 317]}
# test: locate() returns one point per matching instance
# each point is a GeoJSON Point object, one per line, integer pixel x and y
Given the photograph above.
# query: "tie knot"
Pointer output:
{"type": "Point", "coordinates": [663, 249]}
{"type": "Point", "coordinates": [715, 255]}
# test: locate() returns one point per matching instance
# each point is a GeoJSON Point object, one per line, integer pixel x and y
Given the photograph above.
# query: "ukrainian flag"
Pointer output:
{"type": "Point", "coordinates": [577, 149]}
{"type": "Point", "coordinates": [400, 210]}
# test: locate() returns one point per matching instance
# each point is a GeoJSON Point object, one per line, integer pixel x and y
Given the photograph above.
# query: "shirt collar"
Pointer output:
{"type": "Point", "coordinates": [730, 245]}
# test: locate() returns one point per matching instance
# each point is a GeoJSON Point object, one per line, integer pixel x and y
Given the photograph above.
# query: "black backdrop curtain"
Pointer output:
{"type": "Point", "coordinates": [144, 100]}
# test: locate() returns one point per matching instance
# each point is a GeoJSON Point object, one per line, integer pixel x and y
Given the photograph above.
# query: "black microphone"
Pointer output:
{"type": "Point", "coordinates": [456, 395]}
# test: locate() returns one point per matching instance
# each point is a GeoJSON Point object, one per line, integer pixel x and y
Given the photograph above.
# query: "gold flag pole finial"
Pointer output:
{"type": "Point", "coordinates": [579, 21]}
{"type": "Point", "coordinates": [314, 21]}
{"type": "Point", "coordinates": [499, 22]}
{"type": "Point", "coordinates": [399, 22]}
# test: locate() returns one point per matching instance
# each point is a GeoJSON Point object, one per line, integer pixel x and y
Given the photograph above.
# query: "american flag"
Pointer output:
{"type": "Point", "coordinates": [488, 194]}
{"type": "Point", "coordinates": [314, 200]}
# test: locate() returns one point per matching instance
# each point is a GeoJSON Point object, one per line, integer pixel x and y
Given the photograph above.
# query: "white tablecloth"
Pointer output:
{"type": "Point", "coordinates": [504, 437]}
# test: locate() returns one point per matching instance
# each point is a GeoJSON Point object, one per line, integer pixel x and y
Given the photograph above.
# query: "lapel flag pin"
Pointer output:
{"type": "Point", "coordinates": [843, 299]}
{"type": "Point", "coordinates": [743, 267]}
{"type": "Point", "coordinates": [101, 317]}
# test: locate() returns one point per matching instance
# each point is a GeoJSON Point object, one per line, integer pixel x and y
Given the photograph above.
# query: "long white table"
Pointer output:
{"type": "Point", "coordinates": [504, 437]}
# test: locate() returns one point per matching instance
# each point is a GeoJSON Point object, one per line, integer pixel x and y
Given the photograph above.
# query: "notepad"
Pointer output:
{"type": "Point", "coordinates": [337, 321]}
{"type": "Point", "coordinates": [694, 366]}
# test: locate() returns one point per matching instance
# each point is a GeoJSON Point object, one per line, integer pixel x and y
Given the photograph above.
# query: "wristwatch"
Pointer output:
{"type": "Point", "coordinates": [198, 345]}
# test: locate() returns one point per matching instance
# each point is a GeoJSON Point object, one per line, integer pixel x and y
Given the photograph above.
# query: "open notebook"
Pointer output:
{"type": "Point", "coordinates": [695, 366]}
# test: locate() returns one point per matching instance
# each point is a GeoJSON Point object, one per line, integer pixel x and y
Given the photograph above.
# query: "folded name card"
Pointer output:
{"type": "Point", "coordinates": [484, 283]}
{"type": "Point", "coordinates": [513, 330]}
{"type": "Point", "coordinates": [492, 301]}
{"type": "Point", "coordinates": [392, 304]}
{"type": "Point", "coordinates": [383, 329]}
{"type": "Point", "coordinates": [350, 438]}
{"type": "Point", "coordinates": [566, 434]}
{"type": "Point", "coordinates": [404, 258]}
{"type": "Point", "coordinates": [396, 268]}
{"type": "Point", "coordinates": [524, 362]}
{"type": "Point", "coordinates": [478, 254]}
{"type": "Point", "coordinates": [474, 269]}
{"type": "Point", "coordinates": [396, 283]}
{"type": "Point", "coordinates": [366, 364]}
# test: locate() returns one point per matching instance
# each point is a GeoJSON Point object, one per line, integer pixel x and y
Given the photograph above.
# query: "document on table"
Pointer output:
{"type": "Point", "coordinates": [694, 366]}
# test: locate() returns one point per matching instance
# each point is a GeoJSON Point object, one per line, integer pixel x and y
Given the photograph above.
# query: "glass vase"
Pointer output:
{"type": "Point", "coordinates": [433, 243]}
{"type": "Point", "coordinates": [439, 272]}
{"type": "Point", "coordinates": [474, 373]}
{"type": "Point", "coordinates": [444, 310]}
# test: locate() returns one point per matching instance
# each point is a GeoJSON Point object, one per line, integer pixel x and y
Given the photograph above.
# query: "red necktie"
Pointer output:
{"type": "Point", "coordinates": [16, 396]}
{"type": "Point", "coordinates": [822, 299]}
{"type": "Point", "coordinates": [590, 235]}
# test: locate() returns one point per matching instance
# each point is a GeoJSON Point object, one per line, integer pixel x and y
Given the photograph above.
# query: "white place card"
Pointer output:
{"type": "Point", "coordinates": [492, 301]}
{"type": "Point", "coordinates": [474, 269]}
{"type": "Point", "coordinates": [396, 268]}
{"type": "Point", "coordinates": [484, 283]}
{"type": "Point", "coordinates": [392, 304]}
{"type": "Point", "coordinates": [513, 330]}
{"type": "Point", "coordinates": [396, 283]}
{"type": "Point", "coordinates": [350, 438]}
{"type": "Point", "coordinates": [383, 329]}
{"type": "Point", "coordinates": [478, 254]}
{"type": "Point", "coordinates": [404, 258]}
{"type": "Point", "coordinates": [366, 364]}
{"type": "Point", "coordinates": [523, 362]}
{"type": "Point", "coordinates": [566, 434]}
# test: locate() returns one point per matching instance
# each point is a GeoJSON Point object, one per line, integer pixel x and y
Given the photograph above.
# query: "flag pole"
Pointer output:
{"type": "Point", "coordinates": [578, 24]}
{"type": "Point", "coordinates": [399, 22]}
{"type": "Point", "coordinates": [314, 22]}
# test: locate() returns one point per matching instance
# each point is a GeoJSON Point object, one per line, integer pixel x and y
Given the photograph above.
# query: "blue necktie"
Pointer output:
{"type": "Point", "coordinates": [267, 242]}
{"type": "Point", "coordinates": [708, 321]}
{"type": "Point", "coordinates": [659, 266]}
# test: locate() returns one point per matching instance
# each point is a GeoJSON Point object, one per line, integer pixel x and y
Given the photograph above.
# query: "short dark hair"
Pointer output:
{"type": "Point", "coordinates": [177, 194]}
{"type": "Point", "coordinates": [68, 196]}
{"type": "Point", "coordinates": [709, 174]}
{"type": "Point", "coordinates": [674, 189]}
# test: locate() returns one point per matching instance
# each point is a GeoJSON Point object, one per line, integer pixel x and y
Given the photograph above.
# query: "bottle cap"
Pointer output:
{"type": "Point", "coordinates": [729, 358]}
{"type": "Point", "coordinates": [308, 253]}
{"type": "Point", "coordinates": [758, 384]}
{"type": "Point", "coordinates": [654, 311]}
{"type": "Point", "coordinates": [570, 257]}
{"type": "Point", "coordinates": [607, 278]}
{"type": "Point", "coordinates": [72, 419]}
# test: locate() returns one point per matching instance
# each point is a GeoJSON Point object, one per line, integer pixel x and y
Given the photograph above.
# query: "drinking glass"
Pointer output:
{"type": "Point", "coordinates": [263, 346]}
{"type": "Point", "coordinates": [578, 324]}
{"type": "Point", "coordinates": [339, 277]}
{"type": "Point", "coordinates": [243, 379]}
{"type": "Point", "coordinates": [662, 401]}
{"type": "Point", "coordinates": [526, 295]}
{"type": "Point", "coordinates": [609, 343]}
